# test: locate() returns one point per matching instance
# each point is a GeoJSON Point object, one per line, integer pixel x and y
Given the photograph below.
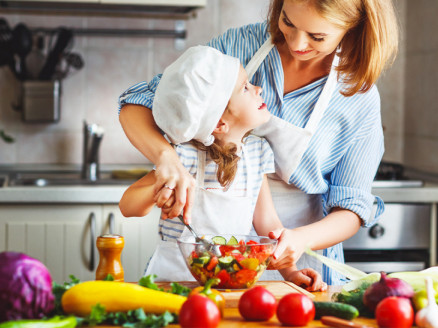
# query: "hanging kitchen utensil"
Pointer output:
{"type": "Point", "coordinates": [36, 58]}
{"type": "Point", "coordinates": [70, 59]}
{"type": "Point", "coordinates": [64, 38]}
{"type": "Point", "coordinates": [22, 45]}
{"type": "Point", "coordinates": [6, 46]}
{"type": "Point", "coordinates": [5, 32]}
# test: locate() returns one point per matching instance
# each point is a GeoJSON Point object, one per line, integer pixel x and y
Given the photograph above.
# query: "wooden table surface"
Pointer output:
{"type": "Point", "coordinates": [232, 317]}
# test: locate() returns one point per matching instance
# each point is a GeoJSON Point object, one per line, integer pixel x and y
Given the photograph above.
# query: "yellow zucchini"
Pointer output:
{"type": "Point", "coordinates": [118, 296]}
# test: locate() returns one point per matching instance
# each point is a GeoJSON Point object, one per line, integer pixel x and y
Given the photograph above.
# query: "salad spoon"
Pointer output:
{"type": "Point", "coordinates": [209, 246]}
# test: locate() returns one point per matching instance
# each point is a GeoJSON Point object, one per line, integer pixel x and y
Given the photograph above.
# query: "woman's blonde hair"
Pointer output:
{"type": "Point", "coordinates": [369, 46]}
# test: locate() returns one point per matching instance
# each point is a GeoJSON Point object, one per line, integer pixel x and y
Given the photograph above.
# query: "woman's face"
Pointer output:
{"type": "Point", "coordinates": [246, 107]}
{"type": "Point", "coordinates": [307, 34]}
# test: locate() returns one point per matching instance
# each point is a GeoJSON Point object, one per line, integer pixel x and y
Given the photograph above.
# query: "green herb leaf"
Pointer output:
{"type": "Point", "coordinates": [97, 315]}
{"type": "Point", "coordinates": [176, 288]}
{"type": "Point", "coordinates": [109, 277]}
{"type": "Point", "coordinates": [134, 318]}
{"type": "Point", "coordinates": [59, 290]}
{"type": "Point", "coordinates": [179, 289]}
{"type": "Point", "coordinates": [5, 137]}
{"type": "Point", "coordinates": [149, 282]}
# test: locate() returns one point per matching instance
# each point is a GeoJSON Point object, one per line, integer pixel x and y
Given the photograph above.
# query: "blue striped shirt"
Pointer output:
{"type": "Point", "coordinates": [256, 152]}
{"type": "Point", "coordinates": [343, 155]}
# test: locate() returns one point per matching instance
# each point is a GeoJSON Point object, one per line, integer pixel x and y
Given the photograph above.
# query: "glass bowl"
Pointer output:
{"type": "Point", "coordinates": [238, 261]}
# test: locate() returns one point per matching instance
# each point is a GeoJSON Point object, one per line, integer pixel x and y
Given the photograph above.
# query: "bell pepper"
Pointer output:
{"type": "Point", "coordinates": [420, 297]}
{"type": "Point", "coordinates": [213, 294]}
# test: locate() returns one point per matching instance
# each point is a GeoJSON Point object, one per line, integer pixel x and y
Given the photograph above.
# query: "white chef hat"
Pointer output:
{"type": "Point", "coordinates": [193, 94]}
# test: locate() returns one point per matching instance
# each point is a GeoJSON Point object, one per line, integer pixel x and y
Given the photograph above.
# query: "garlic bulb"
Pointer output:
{"type": "Point", "coordinates": [428, 316]}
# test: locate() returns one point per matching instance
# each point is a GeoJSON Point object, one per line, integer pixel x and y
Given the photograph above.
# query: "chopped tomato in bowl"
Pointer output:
{"type": "Point", "coordinates": [238, 261]}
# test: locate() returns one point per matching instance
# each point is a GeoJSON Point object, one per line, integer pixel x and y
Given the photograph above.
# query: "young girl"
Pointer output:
{"type": "Point", "coordinates": [205, 106]}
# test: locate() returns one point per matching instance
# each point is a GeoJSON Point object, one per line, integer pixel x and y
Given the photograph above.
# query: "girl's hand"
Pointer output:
{"type": "Point", "coordinates": [306, 278]}
{"type": "Point", "coordinates": [172, 179]}
{"type": "Point", "coordinates": [167, 206]}
{"type": "Point", "coordinates": [289, 249]}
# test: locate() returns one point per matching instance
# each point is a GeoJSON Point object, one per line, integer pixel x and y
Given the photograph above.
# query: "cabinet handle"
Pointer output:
{"type": "Point", "coordinates": [92, 239]}
{"type": "Point", "coordinates": [111, 223]}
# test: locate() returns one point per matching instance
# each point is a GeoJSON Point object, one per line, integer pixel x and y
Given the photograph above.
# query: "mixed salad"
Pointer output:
{"type": "Point", "coordinates": [239, 265]}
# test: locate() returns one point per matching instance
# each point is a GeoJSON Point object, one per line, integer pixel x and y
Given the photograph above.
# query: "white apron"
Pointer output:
{"type": "Point", "coordinates": [289, 142]}
{"type": "Point", "coordinates": [213, 213]}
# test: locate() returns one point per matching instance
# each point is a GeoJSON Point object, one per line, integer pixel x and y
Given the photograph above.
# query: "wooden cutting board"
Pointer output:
{"type": "Point", "coordinates": [277, 288]}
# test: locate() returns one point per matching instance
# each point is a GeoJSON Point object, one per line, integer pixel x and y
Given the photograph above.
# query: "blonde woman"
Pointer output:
{"type": "Point", "coordinates": [317, 62]}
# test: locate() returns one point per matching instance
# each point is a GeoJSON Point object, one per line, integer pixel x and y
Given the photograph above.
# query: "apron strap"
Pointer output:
{"type": "Point", "coordinates": [326, 93]}
{"type": "Point", "coordinates": [258, 58]}
{"type": "Point", "coordinates": [200, 171]}
{"type": "Point", "coordinates": [324, 98]}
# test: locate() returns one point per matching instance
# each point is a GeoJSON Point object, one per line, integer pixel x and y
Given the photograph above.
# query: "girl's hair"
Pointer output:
{"type": "Point", "coordinates": [226, 159]}
{"type": "Point", "coordinates": [369, 45]}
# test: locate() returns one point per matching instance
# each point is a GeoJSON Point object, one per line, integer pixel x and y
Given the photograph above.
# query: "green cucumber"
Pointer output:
{"type": "Point", "coordinates": [340, 310]}
{"type": "Point", "coordinates": [225, 261]}
{"type": "Point", "coordinates": [55, 322]}
{"type": "Point", "coordinates": [232, 241]}
{"type": "Point", "coordinates": [201, 260]}
{"type": "Point", "coordinates": [219, 240]}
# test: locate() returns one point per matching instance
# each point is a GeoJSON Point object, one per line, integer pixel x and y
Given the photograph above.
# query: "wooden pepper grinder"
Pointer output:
{"type": "Point", "coordinates": [110, 249]}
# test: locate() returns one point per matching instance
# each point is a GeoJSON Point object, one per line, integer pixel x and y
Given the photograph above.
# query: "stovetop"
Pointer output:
{"type": "Point", "coordinates": [392, 175]}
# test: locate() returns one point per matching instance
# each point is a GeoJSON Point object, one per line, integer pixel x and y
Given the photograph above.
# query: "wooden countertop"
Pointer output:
{"type": "Point", "coordinates": [232, 317]}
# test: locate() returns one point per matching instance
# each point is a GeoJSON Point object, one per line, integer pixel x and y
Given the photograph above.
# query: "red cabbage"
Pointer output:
{"type": "Point", "coordinates": [25, 287]}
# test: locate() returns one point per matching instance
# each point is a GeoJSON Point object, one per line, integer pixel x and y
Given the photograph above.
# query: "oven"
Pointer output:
{"type": "Point", "coordinates": [401, 239]}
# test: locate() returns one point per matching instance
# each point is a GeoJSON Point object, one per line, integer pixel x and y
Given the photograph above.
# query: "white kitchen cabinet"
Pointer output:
{"type": "Point", "coordinates": [57, 235]}
{"type": "Point", "coordinates": [140, 236]}
{"type": "Point", "coordinates": [196, 3]}
{"type": "Point", "coordinates": [71, 1]}
{"type": "Point", "coordinates": [63, 237]}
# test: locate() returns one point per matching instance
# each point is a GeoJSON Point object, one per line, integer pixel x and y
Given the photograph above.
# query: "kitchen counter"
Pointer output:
{"type": "Point", "coordinates": [111, 194]}
{"type": "Point", "coordinates": [232, 317]}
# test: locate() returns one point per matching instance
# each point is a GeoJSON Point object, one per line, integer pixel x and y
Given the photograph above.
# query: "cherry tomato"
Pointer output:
{"type": "Point", "coordinates": [199, 312]}
{"type": "Point", "coordinates": [395, 312]}
{"type": "Point", "coordinates": [295, 310]}
{"type": "Point", "coordinates": [257, 304]}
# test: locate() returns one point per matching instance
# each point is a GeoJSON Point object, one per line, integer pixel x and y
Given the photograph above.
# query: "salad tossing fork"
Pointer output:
{"type": "Point", "coordinates": [209, 246]}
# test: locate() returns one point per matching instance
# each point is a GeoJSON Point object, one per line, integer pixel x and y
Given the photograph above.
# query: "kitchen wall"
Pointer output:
{"type": "Point", "coordinates": [421, 85]}
{"type": "Point", "coordinates": [114, 63]}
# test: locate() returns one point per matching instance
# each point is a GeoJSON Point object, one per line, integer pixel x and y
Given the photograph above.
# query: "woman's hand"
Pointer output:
{"type": "Point", "coordinates": [174, 187]}
{"type": "Point", "coordinates": [306, 278]}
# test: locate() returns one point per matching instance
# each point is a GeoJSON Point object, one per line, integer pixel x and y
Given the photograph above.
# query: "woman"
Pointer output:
{"type": "Point", "coordinates": [326, 131]}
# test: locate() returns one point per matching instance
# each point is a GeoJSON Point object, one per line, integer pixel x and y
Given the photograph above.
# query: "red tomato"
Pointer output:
{"type": "Point", "coordinates": [257, 304]}
{"type": "Point", "coordinates": [243, 276]}
{"type": "Point", "coordinates": [199, 312]}
{"type": "Point", "coordinates": [295, 310]}
{"type": "Point", "coordinates": [395, 312]}
{"type": "Point", "coordinates": [214, 260]}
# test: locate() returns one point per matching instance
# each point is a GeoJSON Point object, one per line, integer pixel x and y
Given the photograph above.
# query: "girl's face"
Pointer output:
{"type": "Point", "coordinates": [246, 108]}
{"type": "Point", "coordinates": [307, 34]}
